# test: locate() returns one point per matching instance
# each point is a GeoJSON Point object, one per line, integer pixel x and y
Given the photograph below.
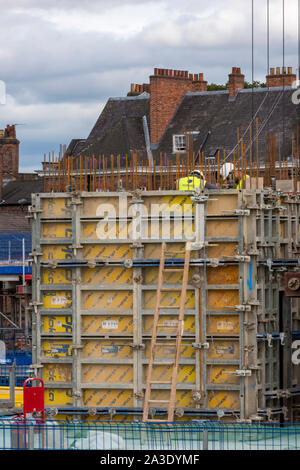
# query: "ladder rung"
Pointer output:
{"type": "Point", "coordinates": [174, 252]}
{"type": "Point", "coordinates": [173, 270]}
{"type": "Point", "coordinates": [161, 382]}
{"type": "Point", "coordinates": [166, 306]}
{"type": "Point", "coordinates": [159, 401]}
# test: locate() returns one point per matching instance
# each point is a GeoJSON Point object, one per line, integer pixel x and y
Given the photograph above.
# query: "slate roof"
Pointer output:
{"type": "Point", "coordinates": [17, 190]}
{"type": "Point", "coordinates": [119, 128]}
{"type": "Point", "coordinates": [213, 112]}
{"type": "Point", "coordinates": [14, 221]}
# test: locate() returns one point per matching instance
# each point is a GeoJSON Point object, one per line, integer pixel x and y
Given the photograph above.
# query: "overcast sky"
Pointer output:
{"type": "Point", "coordinates": [62, 59]}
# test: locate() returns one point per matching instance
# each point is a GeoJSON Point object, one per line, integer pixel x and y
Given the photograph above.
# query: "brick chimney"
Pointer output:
{"type": "Point", "coordinates": [236, 82]}
{"type": "Point", "coordinates": [167, 88]}
{"type": "Point", "coordinates": [281, 77]}
{"type": "Point", "coordinates": [137, 89]}
{"type": "Point", "coordinates": [9, 152]}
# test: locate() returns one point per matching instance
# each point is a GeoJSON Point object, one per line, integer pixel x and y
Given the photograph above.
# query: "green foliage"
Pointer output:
{"type": "Point", "coordinates": [215, 87]}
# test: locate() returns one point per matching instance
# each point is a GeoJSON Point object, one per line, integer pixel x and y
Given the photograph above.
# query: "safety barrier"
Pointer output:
{"type": "Point", "coordinates": [21, 372]}
{"type": "Point", "coordinates": [14, 246]}
{"type": "Point", "coordinates": [61, 435]}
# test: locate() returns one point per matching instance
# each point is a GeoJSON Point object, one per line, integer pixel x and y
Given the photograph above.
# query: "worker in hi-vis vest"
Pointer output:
{"type": "Point", "coordinates": [194, 181]}
{"type": "Point", "coordinates": [235, 177]}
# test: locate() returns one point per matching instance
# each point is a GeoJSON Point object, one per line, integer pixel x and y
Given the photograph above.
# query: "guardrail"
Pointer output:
{"type": "Point", "coordinates": [61, 435]}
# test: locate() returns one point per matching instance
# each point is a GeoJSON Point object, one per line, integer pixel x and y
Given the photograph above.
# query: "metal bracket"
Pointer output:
{"type": "Point", "coordinates": [137, 346]}
{"type": "Point", "coordinates": [35, 305]}
{"type": "Point", "coordinates": [282, 337]}
{"type": "Point", "coordinates": [269, 339]}
{"type": "Point", "coordinates": [243, 308]}
{"type": "Point", "coordinates": [242, 258]}
{"type": "Point", "coordinates": [243, 212]}
{"type": "Point", "coordinates": [200, 345]}
{"type": "Point", "coordinates": [243, 373]}
{"type": "Point", "coordinates": [128, 263]}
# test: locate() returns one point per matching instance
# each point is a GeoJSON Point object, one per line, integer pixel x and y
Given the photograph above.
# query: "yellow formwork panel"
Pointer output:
{"type": "Point", "coordinates": [57, 348]}
{"type": "Point", "coordinates": [222, 349]}
{"type": "Point", "coordinates": [57, 324]}
{"type": "Point", "coordinates": [5, 395]}
{"type": "Point", "coordinates": [184, 398]}
{"type": "Point", "coordinates": [107, 275]}
{"type": "Point", "coordinates": [56, 208]}
{"type": "Point", "coordinates": [58, 396]}
{"type": "Point", "coordinates": [107, 349]}
{"type": "Point", "coordinates": [168, 203]}
{"type": "Point", "coordinates": [92, 206]}
{"type": "Point", "coordinates": [186, 374]}
{"type": "Point", "coordinates": [107, 324]}
{"type": "Point", "coordinates": [151, 276]}
{"type": "Point", "coordinates": [57, 372]}
{"type": "Point", "coordinates": [222, 275]}
{"type": "Point", "coordinates": [168, 351]}
{"type": "Point", "coordinates": [222, 250]}
{"type": "Point", "coordinates": [153, 251]}
{"type": "Point", "coordinates": [56, 230]}
{"type": "Point", "coordinates": [221, 228]}
{"type": "Point", "coordinates": [105, 230]}
{"type": "Point", "coordinates": [57, 252]}
{"type": "Point", "coordinates": [223, 299]}
{"type": "Point", "coordinates": [223, 399]}
{"type": "Point", "coordinates": [223, 325]}
{"type": "Point", "coordinates": [57, 299]}
{"type": "Point", "coordinates": [107, 373]}
{"type": "Point", "coordinates": [109, 300]}
{"type": "Point", "coordinates": [168, 324]}
{"type": "Point", "coordinates": [222, 204]}
{"type": "Point", "coordinates": [169, 298]}
{"type": "Point", "coordinates": [222, 375]}
{"type": "Point", "coordinates": [109, 251]}
{"type": "Point", "coordinates": [108, 397]}
{"type": "Point", "coordinates": [57, 276]}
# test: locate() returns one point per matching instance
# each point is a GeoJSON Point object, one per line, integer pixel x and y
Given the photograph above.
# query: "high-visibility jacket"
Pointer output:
{"type": "Point", "coordinates": [189, 183]}
{"type": "Point", "coordinates": [240, 185]}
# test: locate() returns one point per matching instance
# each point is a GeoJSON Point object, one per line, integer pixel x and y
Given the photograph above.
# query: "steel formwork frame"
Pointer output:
{"type": "Point", "coordinates": [267, 230]}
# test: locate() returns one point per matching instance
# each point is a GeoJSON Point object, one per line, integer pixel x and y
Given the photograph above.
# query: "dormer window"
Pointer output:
{"type": "Point", "coordinates": [179, 143]}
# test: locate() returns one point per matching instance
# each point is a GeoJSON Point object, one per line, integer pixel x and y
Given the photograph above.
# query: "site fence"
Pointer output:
{"type": "Point", "coordinates": [21, 373]}
{"type": "Point", "coordinates": [14, 247]}
{"type": "Point", "coordinates": [61, 435]}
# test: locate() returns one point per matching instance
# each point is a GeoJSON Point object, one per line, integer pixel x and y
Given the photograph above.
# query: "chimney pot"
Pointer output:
{"type": "Point", "coordinates": [272, 71]}
{"type": "Point", "coordinates": [278, 71]}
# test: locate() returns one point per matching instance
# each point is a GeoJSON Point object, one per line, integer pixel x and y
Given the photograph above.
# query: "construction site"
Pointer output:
{"type": "Point", "coordinates": [151, 297]}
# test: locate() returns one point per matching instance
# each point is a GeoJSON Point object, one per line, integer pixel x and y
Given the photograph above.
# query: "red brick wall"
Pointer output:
{"type": "Point", "coordinates": [167, 88]}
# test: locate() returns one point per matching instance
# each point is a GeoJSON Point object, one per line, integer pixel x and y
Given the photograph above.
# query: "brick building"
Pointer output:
{"type": "Point", "coordinates": [154, 117]}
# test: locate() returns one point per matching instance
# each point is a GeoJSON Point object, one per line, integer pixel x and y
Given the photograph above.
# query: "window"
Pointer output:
{"type": "Point", "coordinates": [179, 143]}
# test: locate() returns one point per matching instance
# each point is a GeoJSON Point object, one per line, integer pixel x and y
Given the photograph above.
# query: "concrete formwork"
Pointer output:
{"type": "Point", "coordinates": [95, 267]}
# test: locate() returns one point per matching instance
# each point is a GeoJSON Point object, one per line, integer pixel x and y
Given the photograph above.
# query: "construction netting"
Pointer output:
{"type": "Point", "coordinates": [61, 435]}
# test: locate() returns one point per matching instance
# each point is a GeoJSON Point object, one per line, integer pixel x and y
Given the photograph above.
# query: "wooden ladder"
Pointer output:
{"type": "Point", "coordinates": [170, 403]}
